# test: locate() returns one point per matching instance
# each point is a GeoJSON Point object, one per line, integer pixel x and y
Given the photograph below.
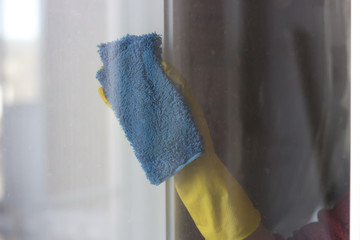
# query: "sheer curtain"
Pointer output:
{"type": "Point", "coordinates": [67, 170]}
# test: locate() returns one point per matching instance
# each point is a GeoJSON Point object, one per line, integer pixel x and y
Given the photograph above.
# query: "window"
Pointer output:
{"type": "Point", "coordinates": [67, 170]}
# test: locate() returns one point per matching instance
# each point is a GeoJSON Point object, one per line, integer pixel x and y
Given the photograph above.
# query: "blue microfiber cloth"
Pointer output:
{"type": "Point", "coordinates": [149, 107]}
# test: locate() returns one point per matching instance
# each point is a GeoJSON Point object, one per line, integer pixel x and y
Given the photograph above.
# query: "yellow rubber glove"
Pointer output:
{"type": "Point", "coordinates": [217, 203]}
{"type": "Point", "coordinates": [102, 95]}
{"type": "Point", "coordinates": [215, 200]}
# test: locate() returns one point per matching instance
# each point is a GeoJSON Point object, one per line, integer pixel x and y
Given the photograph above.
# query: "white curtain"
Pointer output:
{"type": "Point", "coordinates": [67, 170]}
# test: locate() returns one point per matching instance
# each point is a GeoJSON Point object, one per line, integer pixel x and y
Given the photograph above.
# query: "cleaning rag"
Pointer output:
{"type": "Point", "coordinates": [152, 112]}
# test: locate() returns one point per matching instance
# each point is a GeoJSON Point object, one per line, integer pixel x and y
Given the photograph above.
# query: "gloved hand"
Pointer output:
{"type": "Point", "coordinates": [217, 203]}
{"type": "Point", "coordinates": [215, 200]}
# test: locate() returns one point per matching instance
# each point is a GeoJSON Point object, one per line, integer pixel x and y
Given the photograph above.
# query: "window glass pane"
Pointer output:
{"type": "Point", "coordinates": [67, 170]}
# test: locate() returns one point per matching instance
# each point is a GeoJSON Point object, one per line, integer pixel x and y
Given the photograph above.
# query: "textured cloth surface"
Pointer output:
{"type": "Point", "coordinates": [152, 112]}
{"type": "Point", "coordinates": [332, 224]}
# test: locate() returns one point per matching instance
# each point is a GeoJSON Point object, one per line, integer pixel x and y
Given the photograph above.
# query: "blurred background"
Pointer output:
{"type": "Point", "coordinates": [66, 169]}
